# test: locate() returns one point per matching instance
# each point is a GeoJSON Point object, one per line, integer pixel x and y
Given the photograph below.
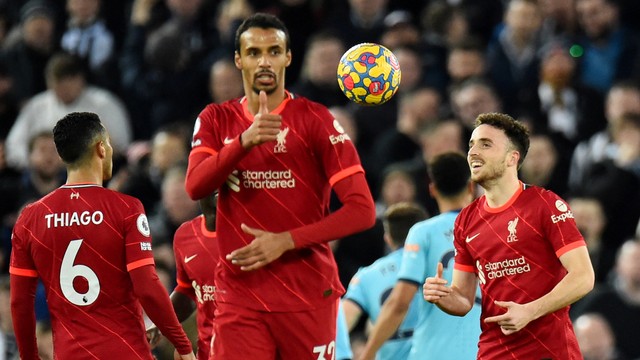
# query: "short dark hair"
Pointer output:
{"type": "Point", "coordinates": [399, 218]}
{"type": "Point", "coordinates": [517, 132]}
{"type": "Point", "coordinates": [263, 21]}
{"type": "Point", "coordinates": [63, 65]}
{"type": "Point", "coordinates": [75, 133]}
{"type": "Point", "coordinates": [449, 173]}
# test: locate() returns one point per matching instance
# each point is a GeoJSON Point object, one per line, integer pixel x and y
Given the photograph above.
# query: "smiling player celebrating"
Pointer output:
{"type": "Point", "coordinates": [522, 244]}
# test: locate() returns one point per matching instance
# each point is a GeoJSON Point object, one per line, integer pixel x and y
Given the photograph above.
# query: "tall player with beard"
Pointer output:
{"type": "Point", "coordinates": [92, 249]}
{"type": "Point", "coordinates": [522, 244]}
{"type": "Point", "coordinates": [275, 158]}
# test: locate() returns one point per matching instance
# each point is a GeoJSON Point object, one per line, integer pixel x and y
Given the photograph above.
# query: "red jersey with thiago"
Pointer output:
{"type": "Point", "coordinates": [196, 255]}
{"type": "Point", "coordinates": [514, 250]}
{"type": "Point", "coordinates": [82, 240]}
{"type": "Point", "coordinates": [282, 185]}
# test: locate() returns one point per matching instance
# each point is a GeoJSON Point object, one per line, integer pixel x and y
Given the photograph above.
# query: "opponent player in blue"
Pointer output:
{"type": "Point", "coordinates": [371, 285]}
{"type": "Point", "coordinates": [437, 335]}
{"type": "Point", "coordinates": [343, 341]}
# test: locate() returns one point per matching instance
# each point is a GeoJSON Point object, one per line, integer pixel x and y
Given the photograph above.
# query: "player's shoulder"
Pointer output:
{"type": "Point", "coordinates": [391, 259]}
{"type": "Point", "coordinates": [186, 228]}
{"type": "Point", "coordinates": [471, 209]}
{"type": "Point", "coordinates": [303, 103]}
{"type": "Point", "coordinates": [545, 198]}
{"type": "Point", "coordinates": [213, 109]}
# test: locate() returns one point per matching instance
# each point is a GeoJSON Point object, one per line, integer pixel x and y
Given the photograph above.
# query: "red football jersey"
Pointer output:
{"type": "Point", "coordinates": [281, 186]}
{"type": "Point", "coordinates": [196, 255]}
{"type": "Point", "coordinates": [82, 240]}
{"type": "Point", "coordinates": [515, 250]}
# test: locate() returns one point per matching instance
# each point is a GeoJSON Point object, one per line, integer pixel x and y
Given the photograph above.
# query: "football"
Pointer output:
{"type": "Point", "coordinates": [369, 74]}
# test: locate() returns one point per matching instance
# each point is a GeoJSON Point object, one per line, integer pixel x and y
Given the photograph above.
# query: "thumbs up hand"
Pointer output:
{"type": "Point", "coordinates": [434, 288]}
{"type": "Point", "coordinates": [265, 126]}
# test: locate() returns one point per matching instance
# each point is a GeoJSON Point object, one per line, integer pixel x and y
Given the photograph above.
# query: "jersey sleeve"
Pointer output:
{"type": "Point", "coordinates": [356, 291]}
{"type": "Point", "coordinates": [463, 260]}
{"type": "Point", "coordinates": [559, 224]}
{"type": "Point", "coordinates": [21, 263]}
{"type": "Point", "coordinates": [339, 156]}
{"type": "Point", "coordinates": [210, 161]}
{"type": "Point", "coordinates": [137, 237]}
{"type": "Point", "coordinates": [182, 277]}
{"type": "Point", "coordinates": [414, 258]}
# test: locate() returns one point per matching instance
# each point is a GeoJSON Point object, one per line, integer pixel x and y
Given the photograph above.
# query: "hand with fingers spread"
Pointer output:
{"type": "Point", "coordinates": [265, 248]}
{"type": "Point", "coordinates": [434, 288]}
{"type": "Point", "coordinates": [514, 320]}
{"type": "Point", "coordinates": [265, 126]}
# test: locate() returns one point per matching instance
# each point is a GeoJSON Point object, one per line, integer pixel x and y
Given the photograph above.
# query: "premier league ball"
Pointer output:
{"type": "Point", "coordinates": [369, 74]}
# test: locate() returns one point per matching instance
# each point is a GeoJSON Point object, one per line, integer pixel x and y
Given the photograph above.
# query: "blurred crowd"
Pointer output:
{"type": "Point", "coordinates": [569, 69]}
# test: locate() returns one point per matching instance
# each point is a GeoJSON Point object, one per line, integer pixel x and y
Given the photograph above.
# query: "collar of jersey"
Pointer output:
{"type": "Point", "coordinates": [513, 199]}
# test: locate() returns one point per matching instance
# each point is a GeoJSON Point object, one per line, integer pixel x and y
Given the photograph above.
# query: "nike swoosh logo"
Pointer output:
{"type": "Point", "coordinates": [473, 237]}
{"type": "Point", "coordinates": [227, 141]}
{"type": "Point", "coordinates": [189, 258]}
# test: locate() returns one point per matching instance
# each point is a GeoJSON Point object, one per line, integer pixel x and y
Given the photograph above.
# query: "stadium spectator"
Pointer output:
{"type": "Point", "coordinates": [618, 301]}
{"type": "Point", "coordinates": [318, 78]}
{"type": "Point", "coordinates": [164, 68]}
{"type": "Point", "coordinates": [545, 165]}
{"type": "Point", "coordinates": [27, 49]}
{"type": "Point", "coordinates": [68, 91]}
{"type": "Point", "coordinates": [512, 57]}
{"type": "Point", "coordinates": [225, 81]}
{"type": "Point", "coordinates": [44, 172]}
{"type": "Point", "coordinates": [88, 37]}
{"type": "Point", "coordinates": [596, 339]}
{"type": "Point", "coordinates": [591, 221]}
{"type": "Point", "coordinates": [610, 51]}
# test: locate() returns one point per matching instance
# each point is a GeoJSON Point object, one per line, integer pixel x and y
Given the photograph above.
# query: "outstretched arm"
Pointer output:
{"type": "Point", "coordinates": [455, 300]}
{"type": "Point", "coordinates": [391, 316]}
{"type": "Point", "coordinates": [577, 283]}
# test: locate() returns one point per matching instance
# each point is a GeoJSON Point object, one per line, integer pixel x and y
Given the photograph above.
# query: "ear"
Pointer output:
{"type": "Point", "coordinates": [288, 58]}
{"type": "Point", "coordinates": [237, 60]}
{"type": "Point", "coordinates": [101, 150]}
{"type": "Point", "coordinates": [432, 190]}
{"type": "Point", "coordinates": [514, 158]}
{"type": "Point", "coordinates": [387, 239]}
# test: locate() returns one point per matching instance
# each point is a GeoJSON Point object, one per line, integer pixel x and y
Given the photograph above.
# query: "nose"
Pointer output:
{"type": "Point", "coordinates": [263, 61]}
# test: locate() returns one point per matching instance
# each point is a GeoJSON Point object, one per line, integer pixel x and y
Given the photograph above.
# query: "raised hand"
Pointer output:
{"type": "Point", "coordinates": [434, 288]}
{"type": "Point", "coordinates": [265, 126]}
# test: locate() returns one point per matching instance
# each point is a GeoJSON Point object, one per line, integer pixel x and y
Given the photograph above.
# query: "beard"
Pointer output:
{"type": "Point", "coordinates": [489, 175]}
{"type": "Point", "coordinates": [269, 90]}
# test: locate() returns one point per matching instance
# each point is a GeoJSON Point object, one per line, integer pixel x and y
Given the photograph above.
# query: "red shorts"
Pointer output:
{"type": "Point", "coordinates": [240, 333]}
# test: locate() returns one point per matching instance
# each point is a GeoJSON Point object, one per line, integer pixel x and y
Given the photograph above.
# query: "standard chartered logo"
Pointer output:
{"type": "Point", "coordinates": [268, 179]}
{"type": "Point", "coordinates": [499, 269]}
{"type": "Point", "coordinates": [203, 292]}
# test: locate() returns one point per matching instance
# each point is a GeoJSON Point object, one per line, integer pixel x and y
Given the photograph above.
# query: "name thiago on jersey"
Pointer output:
{"type": "Point", "coordinates": [66, 219]}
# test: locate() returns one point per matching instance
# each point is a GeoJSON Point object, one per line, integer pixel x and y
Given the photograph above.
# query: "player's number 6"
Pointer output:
{"type": "Point", "coordinates": [68, 272]}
